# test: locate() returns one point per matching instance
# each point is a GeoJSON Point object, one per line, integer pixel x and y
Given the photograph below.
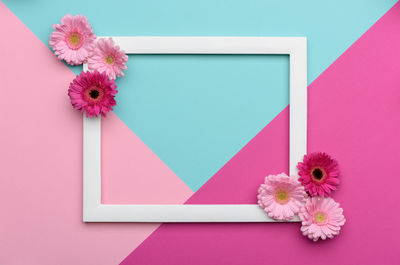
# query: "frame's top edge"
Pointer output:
{"type": "Point", "coordinates": [227, 37]}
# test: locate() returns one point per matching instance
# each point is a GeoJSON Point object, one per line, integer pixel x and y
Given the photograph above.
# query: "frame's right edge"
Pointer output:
{"type": "Point", "coordinates": [298, 103]}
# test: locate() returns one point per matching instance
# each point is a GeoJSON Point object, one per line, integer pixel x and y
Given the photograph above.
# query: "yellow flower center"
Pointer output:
{"type": "Point", "coordinates": [320, 217]}
{"type": "Point", "coordinates": [75, 39]}
{"type": "Point", "coordinates": [110, 59]}
{"type": "Point", "coordinates": [281, 196]}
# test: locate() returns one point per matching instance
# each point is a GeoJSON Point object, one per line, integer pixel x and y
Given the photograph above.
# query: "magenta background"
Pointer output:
{"type": "Point", "coordinates": [354, 109]}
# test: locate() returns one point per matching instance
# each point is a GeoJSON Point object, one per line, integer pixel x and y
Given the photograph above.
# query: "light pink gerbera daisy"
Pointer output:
{"type": "Point", "coordinates": [319, 174]}
{"type": "Point", "coordinates": [281, 196]}
{"type": "Point", "coordinates": [92, 92]}
{"type": "Point", "coordinates": [108, 58]}
{"type": "Point", "coordinates": [321, 218]}
{"type": "Point", "coordinates": [73, 40]}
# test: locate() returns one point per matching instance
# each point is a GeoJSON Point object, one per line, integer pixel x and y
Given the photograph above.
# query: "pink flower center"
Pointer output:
{"type": "Point", "coordinates": [318, 174]}
{"type": "Point", "coordinates": [281, 196]}
{"type": "Point", "coordinates": [110, 59]}
{"type": "Point", "coordinates": [320, 218]}
{"type": "Point", "coordinates": [94, 94]}
{"type": "Point", "coordinates": [74, 40]}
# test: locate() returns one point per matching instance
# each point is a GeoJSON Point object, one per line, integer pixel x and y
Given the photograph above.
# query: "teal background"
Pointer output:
{"type": "Point", "coordinates": [196, 112]}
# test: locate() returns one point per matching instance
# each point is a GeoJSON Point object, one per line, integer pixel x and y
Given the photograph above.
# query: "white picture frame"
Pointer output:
{"type": "Point", "coordinates": [295, 47]}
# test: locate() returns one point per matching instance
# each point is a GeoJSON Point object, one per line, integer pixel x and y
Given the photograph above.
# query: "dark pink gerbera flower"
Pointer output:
{"type": "Point", "coordinates": [93, 93]}
{"type": "Point", "coordinates": [319, 174]}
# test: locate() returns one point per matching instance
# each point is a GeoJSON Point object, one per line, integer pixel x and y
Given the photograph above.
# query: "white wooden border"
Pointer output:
{"type": "Point", "coordinates": [295, 47]}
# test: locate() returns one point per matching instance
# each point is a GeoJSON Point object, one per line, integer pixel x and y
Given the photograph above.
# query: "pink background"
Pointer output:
{"type": "Point", "coordinates": [41, 164]}
{"type": "Point", "coordinates": [354, 111]}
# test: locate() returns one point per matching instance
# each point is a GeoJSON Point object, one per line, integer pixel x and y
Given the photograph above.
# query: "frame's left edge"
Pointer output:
{"type": "Point", "coordinates": [91, 167]}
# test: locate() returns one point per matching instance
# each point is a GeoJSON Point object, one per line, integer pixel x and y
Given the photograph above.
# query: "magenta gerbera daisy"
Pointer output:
{"type": "Point", "coordinates": [107, 57]}
{"type": "Point", "coordinates": [319, 174]}
{"type": "Point", "coordinates": [321, 218]}
{"type": "Point", "coordinates": [281, 196]}
{"type": "Point", "coordinates": [93, 93]}
{"type": "Point", "coordinates": [73, 40]}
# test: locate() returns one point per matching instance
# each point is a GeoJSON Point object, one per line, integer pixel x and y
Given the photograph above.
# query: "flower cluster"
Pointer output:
{"type": "Point", "coordinates": [283, 196]}
{"type": "Point", "coordinates": [74, 42]}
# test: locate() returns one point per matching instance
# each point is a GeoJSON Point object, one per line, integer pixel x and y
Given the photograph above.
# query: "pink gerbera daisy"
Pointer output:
{"type": "Point", "coordinates": [93, 92]}
{"type": "Point", "coordinates": [108, 58]}
{"type": "Point", "coordinates": [321, 218]}
{"type": "Point", "coordinates": [73, 40]}
{"type": "Point", "coordinates": [281, 196]}
{"type": "Point", "coordinates": [319, 174]}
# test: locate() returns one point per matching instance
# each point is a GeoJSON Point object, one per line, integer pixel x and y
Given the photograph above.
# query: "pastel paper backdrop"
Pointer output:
{"type": "Point", "coordinates": [230, 99]}
{"type": "Point", "coordinates": [350, 117]}
{"type": "Point", "coordinates": [41, 168]}
{"type": "Point", "coordinates": [353, 115]}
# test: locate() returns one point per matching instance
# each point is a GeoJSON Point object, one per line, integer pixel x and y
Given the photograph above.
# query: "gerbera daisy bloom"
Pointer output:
{"type": "Point", "coordinates": [73, 40]}
{"type": "Point", "coordinates": [108, 58]}
{"type": "Point", "coordinates": [92, 92]}
{"type": "Point", "coordinates": [281, 196]}
{"type": "Point", "coordinates": [319, 174]}
{"type": "Point", "coordinates": [321, 218]}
